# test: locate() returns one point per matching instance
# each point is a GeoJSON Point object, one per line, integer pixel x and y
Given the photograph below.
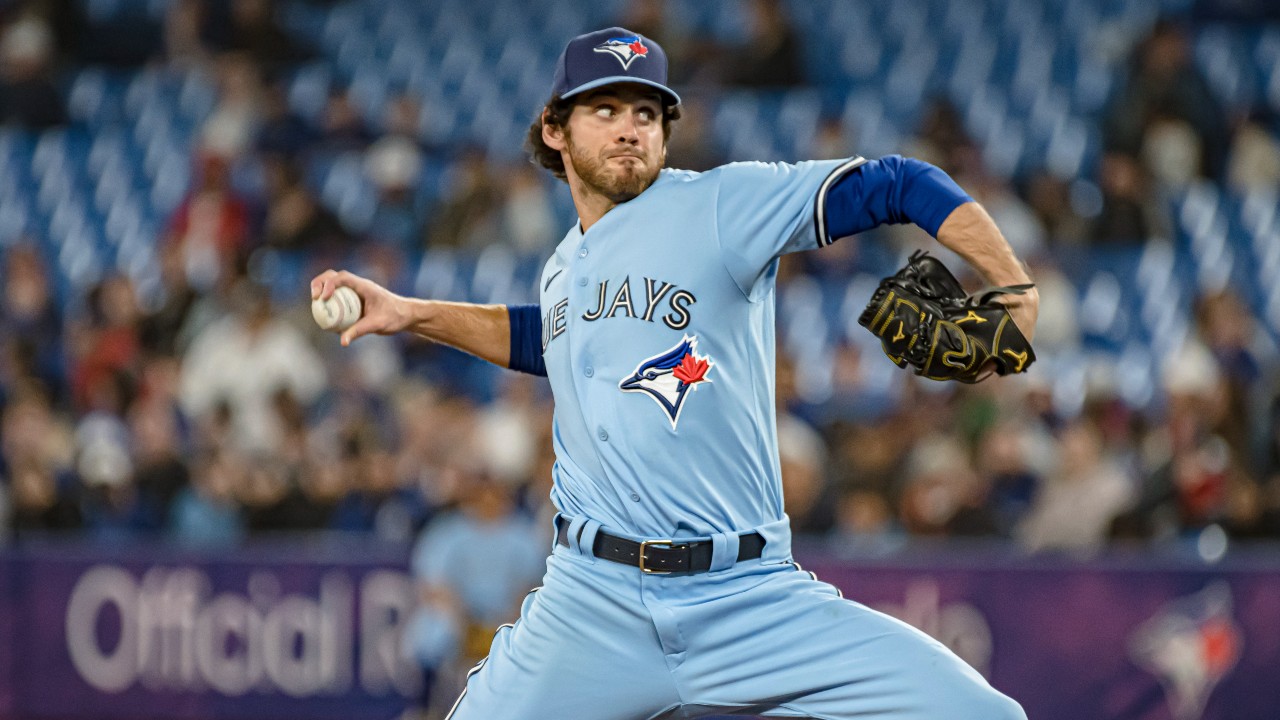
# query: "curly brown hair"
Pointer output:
{"type": "Point", "coordinates": [557, 112]}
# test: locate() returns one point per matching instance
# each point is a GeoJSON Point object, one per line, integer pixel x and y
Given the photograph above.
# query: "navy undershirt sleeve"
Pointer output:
{"type": "Point", "coordinates": [526, 339]}
{"type": "Point", "coordinates": [891, 190]}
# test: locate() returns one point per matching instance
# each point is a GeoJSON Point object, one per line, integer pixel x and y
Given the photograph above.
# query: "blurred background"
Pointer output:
{"type": "Point", "coordinates": [210, 509]}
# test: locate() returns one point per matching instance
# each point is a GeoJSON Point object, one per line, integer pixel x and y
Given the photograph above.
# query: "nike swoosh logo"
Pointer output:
{"type": "Point", "coordinates": [553, 277]}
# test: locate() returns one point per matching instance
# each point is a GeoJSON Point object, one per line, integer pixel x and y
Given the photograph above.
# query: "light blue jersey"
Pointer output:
{"type": "Point", "coordinates": [658, 338]}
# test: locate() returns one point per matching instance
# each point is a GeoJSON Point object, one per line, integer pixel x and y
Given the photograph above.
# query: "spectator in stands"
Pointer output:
{"type": "Point", "coordinates": [692, 145]}
{"type": "Point", "coordinates": [1227, 327]}
{"type": "Point", "coordinates": [1074, 507]}
{"type": "Point", "coordinates": [1164, 86]}
{"type": "Point", "coordinates": [243, 360]}
{"type": "Point", "coordinates": [942, 494]}
{"type": "Point", "coordinates": [36, 448]}
{"type": "Point", "coordinates": [234, 125]}
{"type": "Point", "coordinates": [1002, 457]}
{"type": "Point", "coordinates": [106, 348]}
{"type": "Point", "coordinates": [464, 215]}
{"type": "Point", "coordinates": [212, 225]}
{"type": "Point", "coordinates": [378, 504]}
{"type": "Point", "coordinates": [322, 482]}
{"type": "Point", "coordinates": [165, 330]}
{"type": "Point", "coordinates": [206, 512]}
{"type": "Point", "coordinates": [459, 609]}
{"type": "Point", "coordinates": [42, 501]}
{"type": "Point", "coordinates": [1187, 467]}
{"type": "Point", "coordinates": [432, 426]}
{"type": "Point", "coordinates": [160, 470]}
{"type": "Point", "coordinates": [807, 493]}
{"type": "Point", "coordinates": [296, 219]}
{"type": "Point", "coordinates": [864, 525]}
{"type": "Point", "coordinates": [183, 34]}
{"type": "Point", "coordinates": [1171, 152]}
{"type": "Point", "coordinates": [264, 493]}
{"type": "Point", "coordinates": [529, 225]}
{"type": "Point", "coordinates": [394, 164]}
{"type": "Point", "coordinates": [104, 469]}
{"type": "Point", "coordinates": [29, 94]}
{"type": "Point", "coordinates": [1129, 213]}
{"type": "Point", "coordinates": [341, 126]}
{"type": "Point", "coordinates": [255, 30]}
{"type": "Point", "coordinates": [770, 57]}
{"type": "Point", "coordinates": [282, 133]}
{"type": "Point", "coordinates": [31, 330]}
{"type": "Point", "coordinates": [649, 18]}
{"type": "Point", "coordinates": [1254, 161]}
{"type": "Point", "coordinates": [1050, 199]}
{"type": "Point", "coordinates": [832, 139]}
{"type": "Point", "coordinates": [942, 139]}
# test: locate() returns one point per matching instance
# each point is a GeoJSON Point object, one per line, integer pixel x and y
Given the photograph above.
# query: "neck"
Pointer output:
{"type": "Point", "coordinates": [590, 204]}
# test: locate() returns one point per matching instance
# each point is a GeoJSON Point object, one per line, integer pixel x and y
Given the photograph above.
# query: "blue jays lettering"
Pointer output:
{"type": "Point", "coordinates": [617, 300]}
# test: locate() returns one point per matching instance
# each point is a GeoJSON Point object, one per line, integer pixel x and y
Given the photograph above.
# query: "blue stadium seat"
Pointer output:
{"type": "Point", "coordinates": [171, 181]}
{"type": "Point", "coordinates": [308, 91]}
{"type": "Point", "coordinates": [197, 96]}
{"type": "Point", "coordinates": [437, 275]}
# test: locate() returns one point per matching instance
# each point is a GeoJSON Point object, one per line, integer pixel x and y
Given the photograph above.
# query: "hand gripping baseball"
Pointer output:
{"type": "Point", "coordinates": [384, 312]}
{"type": "Point", "coordinates": [924, 319]}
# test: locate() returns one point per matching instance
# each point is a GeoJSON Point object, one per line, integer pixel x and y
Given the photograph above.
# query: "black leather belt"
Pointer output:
{"type": "Point", "coordinates": [662, 557]}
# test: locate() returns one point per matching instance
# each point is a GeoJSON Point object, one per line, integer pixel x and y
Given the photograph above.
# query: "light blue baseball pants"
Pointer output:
{"type": "Point", "coordinates": [602, 641]}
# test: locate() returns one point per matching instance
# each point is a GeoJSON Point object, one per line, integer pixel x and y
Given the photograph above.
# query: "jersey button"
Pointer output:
{"type": "Point", "coordinates": [603, 435]}
{"type": "Point", "coordinates": [582, 252]}
{"type": "Point", "coordinates": [589, 371]}
{"type": "Point", "coordinates": [635, 497]}
{"type": "Point", "coordinates": [582, 282]}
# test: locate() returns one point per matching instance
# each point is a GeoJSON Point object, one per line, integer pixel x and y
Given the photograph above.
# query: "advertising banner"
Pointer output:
{"type": "Point", "coordinates": [1118, 642]}
{"type": "Point", "coordinates": [8, 641]}
{"type": "Point", "coordinates": [314, 632]}
{"type": "Point", "coordinates": [263, 636]}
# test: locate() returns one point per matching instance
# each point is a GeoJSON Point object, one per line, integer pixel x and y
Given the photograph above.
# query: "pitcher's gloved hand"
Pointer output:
{"type": "Point", "coordinates": [925, 319]}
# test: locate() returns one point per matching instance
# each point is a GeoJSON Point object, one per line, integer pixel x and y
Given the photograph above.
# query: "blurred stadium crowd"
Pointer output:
{"type": "Point", "coordinates": [173, 171]}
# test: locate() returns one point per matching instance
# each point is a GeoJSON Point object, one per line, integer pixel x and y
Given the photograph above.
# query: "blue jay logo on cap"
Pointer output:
{"type": "Point", "coordinates": [668, 376]}
{"type": "Point", "coordinates": [626, 49]}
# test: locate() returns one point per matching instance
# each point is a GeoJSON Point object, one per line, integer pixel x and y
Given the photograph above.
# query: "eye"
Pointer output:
{"type": "Point", "coordinates": [604, 111]}
{"type": "Point", "coordinates": [647, 115]}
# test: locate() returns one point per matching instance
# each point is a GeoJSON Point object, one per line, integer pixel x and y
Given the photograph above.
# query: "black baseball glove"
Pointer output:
{"type": "Point", "coordinates": [925, 319]}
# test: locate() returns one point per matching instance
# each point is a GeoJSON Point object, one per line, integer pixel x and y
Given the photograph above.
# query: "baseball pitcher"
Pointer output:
{"type": "Point", "coordinates": [670, 589]}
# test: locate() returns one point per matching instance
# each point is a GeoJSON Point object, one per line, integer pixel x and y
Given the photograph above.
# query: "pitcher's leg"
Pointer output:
{"type": "Point", "coordinates": [791, 647]}
{"type": "Point", "coordinates": [584, 647]}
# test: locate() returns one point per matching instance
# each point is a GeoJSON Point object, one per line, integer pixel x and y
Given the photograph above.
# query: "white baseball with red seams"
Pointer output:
{"type": "Point", "coordinates": [339, 312]}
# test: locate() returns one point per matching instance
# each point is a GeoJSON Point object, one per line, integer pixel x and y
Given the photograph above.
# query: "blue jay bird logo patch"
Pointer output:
{"type": "Point", "coordinates": [669, 376]}
{"type": "Point", "coordinates": [625, 49]}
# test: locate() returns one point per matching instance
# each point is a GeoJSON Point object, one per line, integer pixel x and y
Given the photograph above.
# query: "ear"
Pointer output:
{"type": "Point", "coordinates": [552, 135]}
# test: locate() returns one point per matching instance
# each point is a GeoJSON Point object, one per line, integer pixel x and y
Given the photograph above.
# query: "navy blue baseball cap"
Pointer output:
{"type": "Point", "coordinates": [611, 56]}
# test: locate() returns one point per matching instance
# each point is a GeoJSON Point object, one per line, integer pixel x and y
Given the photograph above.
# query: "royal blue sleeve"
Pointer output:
{"type": "Point", "coordinates": [891, 190]}
{"type": "Point", "coordinates": [526, 339]}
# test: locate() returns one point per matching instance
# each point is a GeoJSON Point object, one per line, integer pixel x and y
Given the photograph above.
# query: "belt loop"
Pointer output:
{"type": "Point", "coordinates": [555, 529]}
{"type": "Point", "coordinates": [588, 540]}
{"type": "Point", "coordinates": [575, 529]}
{"type": "Point", "coordinates": [724, 551]}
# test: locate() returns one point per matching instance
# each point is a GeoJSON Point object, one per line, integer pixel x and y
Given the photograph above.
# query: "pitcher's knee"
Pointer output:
{"type": "Point", "coordinates": [994, 705]}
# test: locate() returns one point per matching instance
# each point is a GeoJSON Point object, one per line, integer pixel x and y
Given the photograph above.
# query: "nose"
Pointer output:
{"type": "Point", "coordinates": [627, 132]}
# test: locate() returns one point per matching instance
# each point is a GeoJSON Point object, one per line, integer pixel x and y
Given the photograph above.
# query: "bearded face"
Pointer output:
{"type": "Point", "coordinates": [619, 172]}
